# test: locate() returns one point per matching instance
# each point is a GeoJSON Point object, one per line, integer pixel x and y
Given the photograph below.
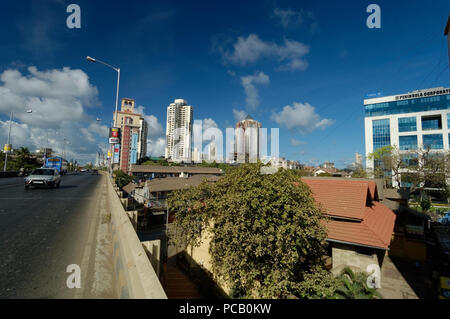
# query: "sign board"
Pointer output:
{"type": "Point", "coordinates": [114, 132]}
{"type": "Point", "coordinates": [134, 145]}
{"type": "Point", "coordinates": [7, 148]}
{"type": "Point", "coordinates": [116, 158]}
{"type": "Point", "coordinates": [114, 140]}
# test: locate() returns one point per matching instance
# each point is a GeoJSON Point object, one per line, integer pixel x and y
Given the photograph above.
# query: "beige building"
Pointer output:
{"type": "Point", "coordinates": [247, 141]}
{"type": "Point", "coordinates": [133, 135]}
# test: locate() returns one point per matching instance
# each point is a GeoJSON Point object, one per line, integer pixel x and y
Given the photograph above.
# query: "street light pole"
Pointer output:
{"type": "Point", "coordinates": [117, 97]}
{"type": "Point", "coordinates": [91, 59]}
{"type": "Point", "coordinates": [9, 140]}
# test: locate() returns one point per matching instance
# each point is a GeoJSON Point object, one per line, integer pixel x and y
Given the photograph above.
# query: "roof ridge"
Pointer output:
{"type": "Point", "coordinates": [374, 232]}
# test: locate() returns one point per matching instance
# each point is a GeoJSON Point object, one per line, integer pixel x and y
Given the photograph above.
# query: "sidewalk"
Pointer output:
{"type": "Point", "coordinates": [393, 283]}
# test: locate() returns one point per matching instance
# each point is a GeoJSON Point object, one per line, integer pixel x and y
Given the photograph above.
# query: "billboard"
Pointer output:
{"type": "Point", "coordinates": [116, 158]}
{"type": "Point", "coordinates": [114, 132]}
{"type": "Point", "coordinates": [114, 135]}
{"type": "Point", "coordinates": [134, 145]}
{"type": "Point", "coordinates": [7, 148]}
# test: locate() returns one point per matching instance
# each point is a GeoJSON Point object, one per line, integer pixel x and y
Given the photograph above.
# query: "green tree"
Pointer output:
{"type": "Point", "coordinates": [122, 179]}
{"type": "Point", "coordinates": [24, 159]}
{"type": "Point", "coordinates": [359, 173]}
{"type": "Point", "coordinates": [351, 285]}
{"type": "Point", "coordinates": [267, 237]}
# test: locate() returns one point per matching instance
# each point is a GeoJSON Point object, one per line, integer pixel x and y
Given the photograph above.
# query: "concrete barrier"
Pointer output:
{"type": "Point", "coordinates": [153, 250]}
{"type": "Point", "coordinates": [135, 276]}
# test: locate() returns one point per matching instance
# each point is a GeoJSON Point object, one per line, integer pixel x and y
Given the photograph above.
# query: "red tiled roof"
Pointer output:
{"type": "Point", "coordinates": [373, 225]}
{"type": "Point", "coordinates": [339, 197]}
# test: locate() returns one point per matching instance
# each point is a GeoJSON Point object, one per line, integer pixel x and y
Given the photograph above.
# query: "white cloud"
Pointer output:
{"type": "Point", "coordinates": [156, 141]}
{"type": "Point", "coordinates": [156, 146]}
{"type": "Point", "coordinates": [208, 123]}
{"type": "Point", "coordinates": [251, 92]}
{"type": "Point", "coordinates": [301, 116]}
{"type": "Point", "coordinates": [239, 115]}
{"type": "Point", "coordinates": [295, 142]}
{"type": "Point", "coordinates": [252, 48]}
{"type": "Point", "coordinates": [155, 129]}
{"type": "Point", "coordinates": [58, 99]}
{"type": "Point", "coordinates": [289, 17]}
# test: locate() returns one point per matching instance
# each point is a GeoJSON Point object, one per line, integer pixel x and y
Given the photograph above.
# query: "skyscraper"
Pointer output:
{"type": "Point", "coordinates": [247, 140]}
{"type": "Point", "coordinates": [133, 135]}
{"type": "Point", "coordinates": [179, 131]}
{"type": "Point", "coordinates": [358, 160]}
{"type": "Point", "coordinates": [413, 121]}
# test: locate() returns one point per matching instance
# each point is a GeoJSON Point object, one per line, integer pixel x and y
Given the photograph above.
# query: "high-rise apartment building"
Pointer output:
{"type": "Point", "coordinates": [413, 121]}
{"type": "Point", "coordinates": [179, 131]}
{"type": "Point", "coordinates": [247, 141]}
{"type": "Point", "coordinates": [358, 160]}
{"type": "Point", "coordinates": [133, 135]}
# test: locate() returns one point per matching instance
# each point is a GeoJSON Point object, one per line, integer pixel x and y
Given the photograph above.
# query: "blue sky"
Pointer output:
{"type": "Point", "coordinates": [302, 66]}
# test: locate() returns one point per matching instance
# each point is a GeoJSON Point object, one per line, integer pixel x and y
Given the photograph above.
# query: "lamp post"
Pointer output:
{"type": "Point", "coordinates": [91, 59]}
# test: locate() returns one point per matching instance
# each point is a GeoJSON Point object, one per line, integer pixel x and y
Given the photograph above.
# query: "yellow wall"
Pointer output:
{"type": "Point", "coordinates": [202, 258]}
{"type": "Point", "coordinates": [402, 247]}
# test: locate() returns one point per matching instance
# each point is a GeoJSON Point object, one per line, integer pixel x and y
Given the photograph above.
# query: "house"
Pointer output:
{"type": "Point", "coordinates": [159, 171]}
{"type": "Point", "coordinates": [359, 228]}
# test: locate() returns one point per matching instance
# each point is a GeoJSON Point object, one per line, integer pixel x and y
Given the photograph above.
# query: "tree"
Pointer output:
{"type": "Point", "coordinates": [419, 168]}
{"type": "Point", "coordinates": [267, 237]}
{"type": "Point", "coordinates": [122, 179]}
{"type": "Point", "coordinates": [386, 161]}
{"type": "Point", "coordinates": [353, 285]}
{"type": "Point", "coordinates": [24, 159]}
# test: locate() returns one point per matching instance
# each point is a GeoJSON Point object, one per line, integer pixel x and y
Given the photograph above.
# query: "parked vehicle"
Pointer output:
{"type": "Point", "coordinates": [94, 172]}
{"type": "Point", "coordinates": [43, 177]}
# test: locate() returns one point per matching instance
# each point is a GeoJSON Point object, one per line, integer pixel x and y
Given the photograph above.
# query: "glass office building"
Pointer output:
{"type": "Point", "coordinates": [411, 121]}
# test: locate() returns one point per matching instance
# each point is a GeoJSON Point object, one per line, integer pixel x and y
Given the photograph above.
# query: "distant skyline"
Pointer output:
{"type": "Point", "coordinates": [302, 66]}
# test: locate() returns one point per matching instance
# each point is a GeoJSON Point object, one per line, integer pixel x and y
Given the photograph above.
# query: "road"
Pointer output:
{"type": "Point", "coordinates": [42, 231]}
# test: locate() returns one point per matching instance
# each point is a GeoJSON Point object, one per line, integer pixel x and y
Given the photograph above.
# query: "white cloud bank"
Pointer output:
{"type": "Point", "coordinates": [302, 117]}
{"type": "Point", "coordinates": [248, 83]}
{"type": "Point", "coordinates": [58, 99]}
{"type": "Point", "coordinates": [247, 50]}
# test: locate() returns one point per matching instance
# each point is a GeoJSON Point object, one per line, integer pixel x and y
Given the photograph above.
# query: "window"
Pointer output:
{"type": "Point", "coordinates": [407, 124]}
{"type": "Point", "coordinates": [408, 142]}
{"type": "Point", "coordinates": [448, 120]}
{"type": "Point", "coordinates": [433, 122]}
{"type": "Point", "coordinates": [381, 133]}
{"type": "Point", "coordinates": [410, 159]}
{"type": "Point", "coordinates": [434, 103]}
{"type": "Point", "coordinates": [433, 141]}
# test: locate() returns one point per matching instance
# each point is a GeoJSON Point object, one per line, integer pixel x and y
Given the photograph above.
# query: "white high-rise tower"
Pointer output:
{"type": "Point", "coordinates": [179, 131]}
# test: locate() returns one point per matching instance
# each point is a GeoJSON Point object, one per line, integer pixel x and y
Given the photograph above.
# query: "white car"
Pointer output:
{"type": "Point", "coordinates": [43, 177]}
